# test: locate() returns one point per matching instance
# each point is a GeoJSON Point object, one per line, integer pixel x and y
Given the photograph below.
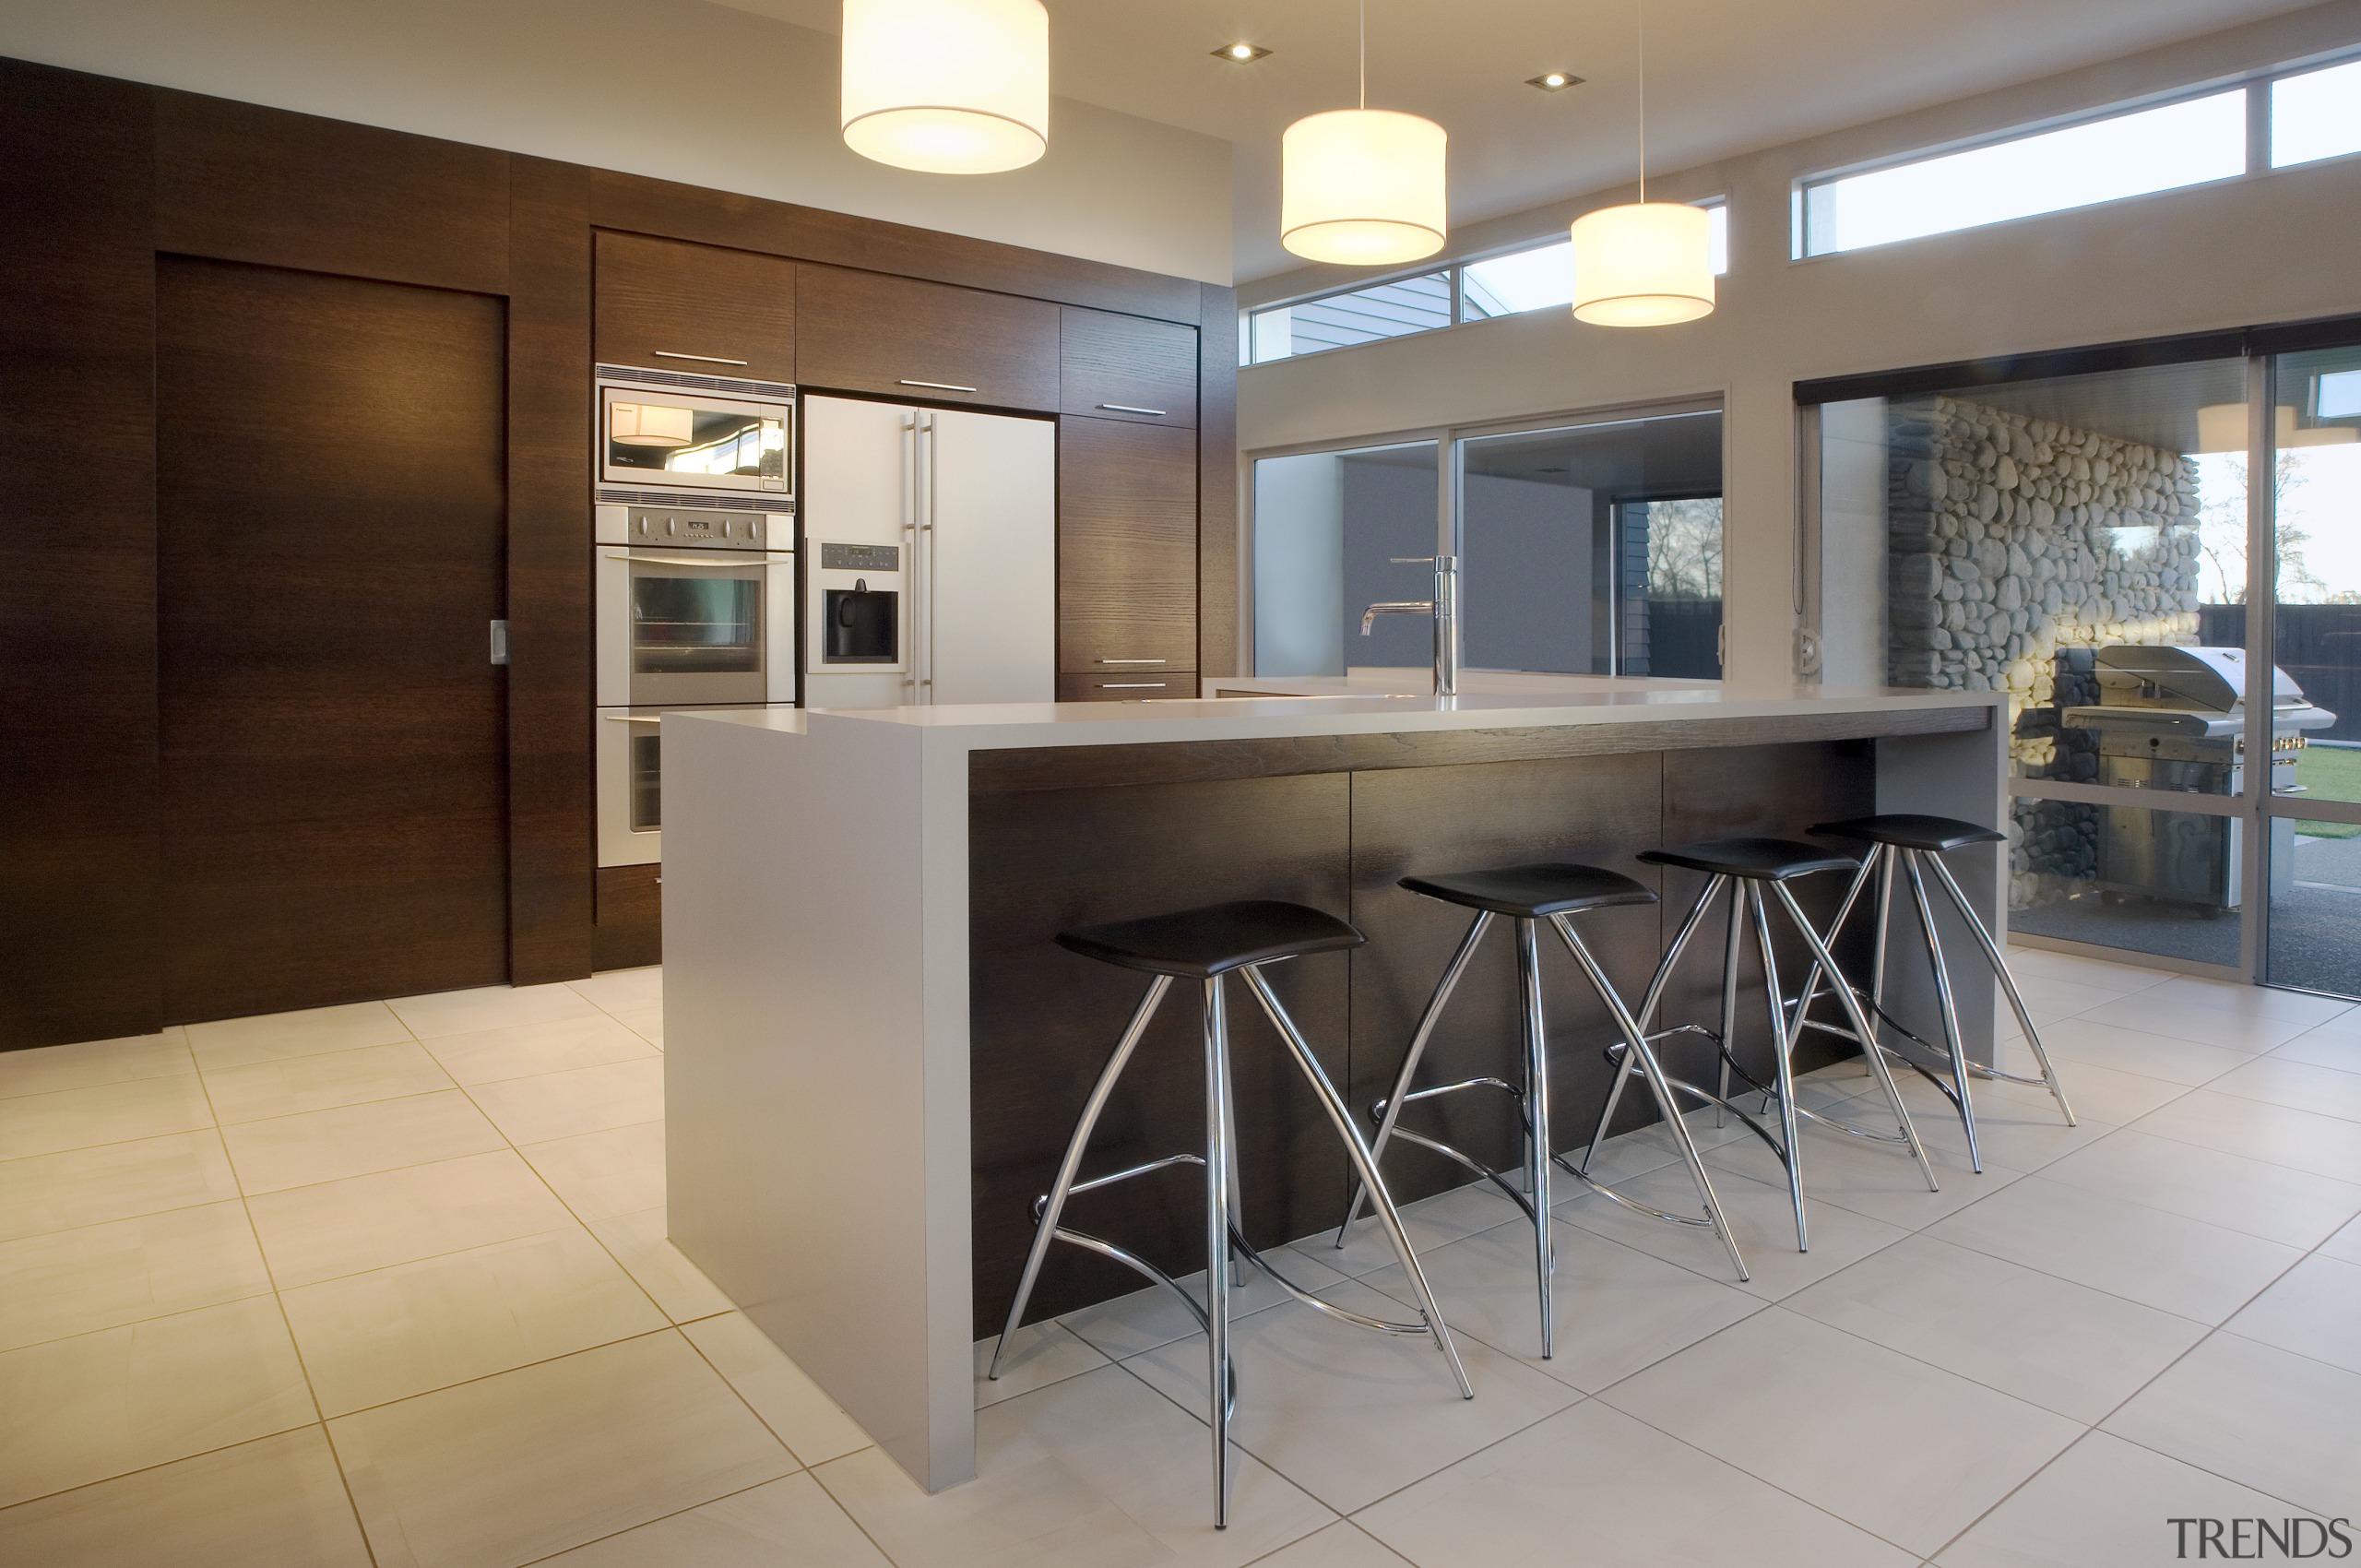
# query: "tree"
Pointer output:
{"type": "Point", "coordinates": [2222, 539]}
{"type": "Point", "coordinates": [1685, 549]}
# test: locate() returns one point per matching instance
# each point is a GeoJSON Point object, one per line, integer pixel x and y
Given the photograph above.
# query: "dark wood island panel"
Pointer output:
{"type": "Point", "coordinates": [1043, 858]}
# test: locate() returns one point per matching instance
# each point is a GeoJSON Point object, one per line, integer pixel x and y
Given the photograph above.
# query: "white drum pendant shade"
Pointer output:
{"type": "Point", "coordinates": [1362, 187]}
{"type": "Point", "coordinates": [947, 86]}
{"type": "Point", "coordinates": [1646, 265]}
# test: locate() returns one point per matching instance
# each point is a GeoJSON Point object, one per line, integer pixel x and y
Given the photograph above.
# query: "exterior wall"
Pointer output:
{"type": "Point", "coordinates": [675, 89]}
{"type": "Point", "coordinates": [2274, 247]}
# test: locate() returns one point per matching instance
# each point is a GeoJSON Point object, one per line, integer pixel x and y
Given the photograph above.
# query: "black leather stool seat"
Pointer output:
{"type": "Point", "coordinates": [1908, 830]}
{"type": "Point", "coordinates": [1200, 943]}
{"type": "Point", "coordinates": [1532, 892]}
{"type": "Point", "coordinates": [1757, 859]}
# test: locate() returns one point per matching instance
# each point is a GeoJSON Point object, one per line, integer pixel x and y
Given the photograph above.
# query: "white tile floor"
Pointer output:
{"type": "Point", "coordinates": [388, 1283]}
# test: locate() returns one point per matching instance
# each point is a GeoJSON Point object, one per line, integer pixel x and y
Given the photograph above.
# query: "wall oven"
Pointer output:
{"type": "Point", "coordinates": [666, 435]}
{"type": "Point", "coordinates": [695, 607]}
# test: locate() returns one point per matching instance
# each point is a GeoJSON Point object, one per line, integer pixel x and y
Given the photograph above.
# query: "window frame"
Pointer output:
{"type": "Point", "coordinates": [2255, 85]}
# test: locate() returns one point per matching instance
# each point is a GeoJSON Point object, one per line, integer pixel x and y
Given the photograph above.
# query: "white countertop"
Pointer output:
{"type": "Point", "coordinates": [1364, 702]}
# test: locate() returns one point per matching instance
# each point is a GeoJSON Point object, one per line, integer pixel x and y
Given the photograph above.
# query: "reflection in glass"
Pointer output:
{"type": "Point", "coordinates": [1326, 526]}
{"type": "Point", "coordinates": [646, 780]}
{"type": "Point", "coordinates": [698, 441]}
{"type": "Point", "coordinates": [2317, 624]}
{"type": "Point", "coordinates": [2158, 882]}
{"type": "Point", "coordinates": [695, 625]}
{"type": "Point", "coordinates": [2315, 906]}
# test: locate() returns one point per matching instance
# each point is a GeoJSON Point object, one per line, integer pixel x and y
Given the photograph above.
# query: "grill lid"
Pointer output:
{"type": "Point", "coordinates": [2186, 691]}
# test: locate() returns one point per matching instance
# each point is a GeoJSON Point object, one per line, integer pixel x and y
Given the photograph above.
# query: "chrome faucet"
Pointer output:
{"type": "Point", "coordinates": [1444, 607]}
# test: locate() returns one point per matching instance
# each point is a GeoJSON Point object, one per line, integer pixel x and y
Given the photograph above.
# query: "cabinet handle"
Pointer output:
{"type": "Point", "coordinates": [1132, 685]}
{"type": "Point", "coordinates": [938, 385]}
{"type": "Point", "coordinates": [1132, 408]}
{"type": "Point", "coordinates": [1134, 661]}
{"type": "Point", "coordinates": [701, 359]}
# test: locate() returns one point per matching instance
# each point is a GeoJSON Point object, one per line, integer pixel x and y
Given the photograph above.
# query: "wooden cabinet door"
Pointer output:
{"type": "Point", "coordinates": [1122, 367]}
{"type": "Point", "coordinates": [663, 305]}
{"type": "Point", "coordinates": [1127, 548]}
{"type": "Point", "coordinates": [929, 342]}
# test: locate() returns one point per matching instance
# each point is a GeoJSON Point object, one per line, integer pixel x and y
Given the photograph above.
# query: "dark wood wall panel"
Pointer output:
{"type": "Point", "coordinates": [330, 478]}
{"type": "Point", "coordinates": [1045, 1019]}
{"type": "Point", "coordinates": [243, 182]}
{"type": "Point", "coordinates": [550, 748]}
{"type": "Point", "coordinates": [719, 218]}
{"type": "Point", "coordinates": [77, 561]}
{"type": "Point", "coordinates": [1218, 556]}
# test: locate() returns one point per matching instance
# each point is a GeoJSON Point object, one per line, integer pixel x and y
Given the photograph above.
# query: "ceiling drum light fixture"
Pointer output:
{"type": "Point", "coordinates": [1240, 54]}
{"type": "Point", "coordinates": [1648, 263]}
{"type": "Point", "coordinates": [1362, 187]}
{"type": "Point", "coordinates": [947, 86]}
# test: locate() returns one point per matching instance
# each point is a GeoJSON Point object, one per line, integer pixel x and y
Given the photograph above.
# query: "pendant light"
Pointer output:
{"type": "Point", "coordinates": [1647, 264]}
{"type": "Point", "coordinates": [1362, 187]}
{"type": "Point", "coordinates": [947, 86]}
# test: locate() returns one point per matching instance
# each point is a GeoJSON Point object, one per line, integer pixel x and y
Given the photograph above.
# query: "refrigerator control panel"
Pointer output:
{"type": "Point", "coordinates": [861, 557]}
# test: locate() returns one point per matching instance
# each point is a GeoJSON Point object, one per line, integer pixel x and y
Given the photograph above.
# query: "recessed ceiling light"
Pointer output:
{"type": "Point", "coordinates": [1240, 54]}
{"type": "Point", "coordinates": [1553, 81]}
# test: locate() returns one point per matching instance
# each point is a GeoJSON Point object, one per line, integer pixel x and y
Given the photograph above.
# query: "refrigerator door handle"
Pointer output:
{"type": "Point", "coordinates": [925, 555]}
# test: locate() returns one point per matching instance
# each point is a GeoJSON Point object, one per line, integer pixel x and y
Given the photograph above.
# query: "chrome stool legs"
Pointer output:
{"type": "Point", "coordinates": [1225, 1244]}
{"type": "Point", "coordinates": [1882, 862]}
{"type": "Point", "coordinates": [1531, 1097]}
{"type": "Point", "coordinates": [1749, 909]}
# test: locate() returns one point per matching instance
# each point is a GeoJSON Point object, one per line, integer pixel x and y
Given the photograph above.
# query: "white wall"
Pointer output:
{"type": "Point", "coordinates": [678, 89]}
{"type": "Point", "coordinates": [2279, 247]}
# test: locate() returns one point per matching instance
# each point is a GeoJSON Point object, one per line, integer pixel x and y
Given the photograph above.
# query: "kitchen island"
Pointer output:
{"type": "Point", "coordinates": [876, 1051]}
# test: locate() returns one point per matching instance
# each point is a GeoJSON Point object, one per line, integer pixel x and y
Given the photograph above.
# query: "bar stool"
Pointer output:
{"type": "Point", "coordinates": [1912, 843]}
{"type": "Point", "coordinates": [1206, 945]}
{"type": "Point", "coordinates": [1530, 895]}
{"type": "Point", "coordinates": [1745, 867]}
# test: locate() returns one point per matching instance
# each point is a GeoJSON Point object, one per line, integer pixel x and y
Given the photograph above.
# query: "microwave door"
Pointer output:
{"type": "Point", "coordinates": [669, 439]}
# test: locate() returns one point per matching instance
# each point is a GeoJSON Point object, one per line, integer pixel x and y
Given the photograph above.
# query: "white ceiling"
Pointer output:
{"type": "Point", "coordinates": [1724, 76]}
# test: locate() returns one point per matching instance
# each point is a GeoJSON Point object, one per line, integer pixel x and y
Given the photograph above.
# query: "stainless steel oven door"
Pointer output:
{"type": "Point", "coordinates": [631, 799]}
{"type": "Point", "coordinates": [686, 627]}
{"type": "Point", "coordinates": [666, 438]}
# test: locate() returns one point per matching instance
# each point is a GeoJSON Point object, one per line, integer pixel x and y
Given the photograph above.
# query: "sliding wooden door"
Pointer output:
{"type": "Point", "coordinates": [330, 512]}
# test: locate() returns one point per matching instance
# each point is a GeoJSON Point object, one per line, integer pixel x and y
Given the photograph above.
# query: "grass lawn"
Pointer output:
{"type": "Point", "coordinates": [2330, 773]}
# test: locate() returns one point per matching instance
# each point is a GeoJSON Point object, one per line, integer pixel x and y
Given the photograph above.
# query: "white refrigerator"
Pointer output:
{"type": "Point", "coordinates": [930, 555]}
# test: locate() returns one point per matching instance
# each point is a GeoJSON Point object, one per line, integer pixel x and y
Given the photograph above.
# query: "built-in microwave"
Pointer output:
{"type": "Point", "coordinates": [709, 440]}
{"type": "Point", "coordinates": [693, 607]}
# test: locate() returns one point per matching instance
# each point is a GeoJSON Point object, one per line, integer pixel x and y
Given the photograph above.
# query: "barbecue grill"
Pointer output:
{"type": "Point", "coordinates": [2173, 720]}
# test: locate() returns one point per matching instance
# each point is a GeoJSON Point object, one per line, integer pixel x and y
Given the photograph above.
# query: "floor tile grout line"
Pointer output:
{"type": "Point", "coordinates": [842, 1507]}
{"type": "Point", "coordinates": [610, 1535]}
{"type": "Point", "coordinates": [2099, 1425]}
{"type": "Point", "coordinates": [166, 1465]}
{"type": "Point", "coordinates": [666, 1327]}
{"type": "Point", "coordinates": [1602, 1398]}
{"type": "Point", "coordinates": [802, 1463]}
{"type": "Point", "coordinates": [295, 1346]}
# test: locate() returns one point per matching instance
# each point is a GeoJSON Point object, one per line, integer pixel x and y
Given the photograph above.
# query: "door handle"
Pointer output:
{"type": "Point", "coordinates": [1135, 661]}
{"type": "Point", "coordinates": [701, 359]}
{"type": "Point", "coordinates": [938, 385]}
{"type": "Point", "coordinates": [700, 560]}
{"type": "Point", "coordinates": [1132, 408]}
{"type": "Point", "coordinates": [633, 717]}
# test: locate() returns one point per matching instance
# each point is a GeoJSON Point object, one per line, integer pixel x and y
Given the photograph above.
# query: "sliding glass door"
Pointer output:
{"type": "Point", "coordinates": [2179, 644]}
{"type": "Point", "coordinates": [2313, 912]}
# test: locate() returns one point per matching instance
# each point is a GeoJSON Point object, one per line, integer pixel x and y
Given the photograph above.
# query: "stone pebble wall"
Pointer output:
{"type": "Point", "coordinates": [2016, 546]}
